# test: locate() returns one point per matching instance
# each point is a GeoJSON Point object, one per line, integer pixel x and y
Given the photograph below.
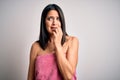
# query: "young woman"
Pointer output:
{"type": "Point", "coordinates": [54, 56]}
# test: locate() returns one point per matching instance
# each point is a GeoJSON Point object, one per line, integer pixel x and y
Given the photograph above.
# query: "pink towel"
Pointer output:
{"type": "Point", "coordinates": [46, 68]}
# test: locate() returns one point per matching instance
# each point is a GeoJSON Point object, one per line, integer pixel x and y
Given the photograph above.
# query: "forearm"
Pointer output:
{"type": "Point", "coordinates": [30, 75]}
{"type": "Point", "coordinates": [63, 64]}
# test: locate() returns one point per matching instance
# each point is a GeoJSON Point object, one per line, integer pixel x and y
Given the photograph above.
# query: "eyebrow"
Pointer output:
{"type": "Point", "coordinates": [52, 16]}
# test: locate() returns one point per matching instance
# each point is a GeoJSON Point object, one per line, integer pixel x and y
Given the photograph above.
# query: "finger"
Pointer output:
{"type": "Point", "coordinates": [60, 30]}
{"type": "Point", "coordinates": [54, 33]}
{"type": "Point", "coordinates": [56, 30]}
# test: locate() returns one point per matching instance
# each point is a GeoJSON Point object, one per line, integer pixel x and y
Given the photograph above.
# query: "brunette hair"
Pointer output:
{"type": "Point", "coordinates": [44, 35]}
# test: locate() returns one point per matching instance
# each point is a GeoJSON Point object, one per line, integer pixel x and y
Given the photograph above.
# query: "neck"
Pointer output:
{"type": "Point", "coordinates": [50, 38]}
{"type": "Point", "coordinates": [51, 46]}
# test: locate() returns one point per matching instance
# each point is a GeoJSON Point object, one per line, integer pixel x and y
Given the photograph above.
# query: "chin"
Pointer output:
{"type": "Point", "coordinates": [50, 32]}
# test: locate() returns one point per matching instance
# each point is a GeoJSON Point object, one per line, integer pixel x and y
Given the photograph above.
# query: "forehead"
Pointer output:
{"type": "Point", "coordinates": [52, 13]}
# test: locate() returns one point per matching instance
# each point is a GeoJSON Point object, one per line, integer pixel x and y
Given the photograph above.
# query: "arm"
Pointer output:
{"type": "Point", "coordinates": [31, 69]}
{"type": "Point", "coordinates": [67, 63]}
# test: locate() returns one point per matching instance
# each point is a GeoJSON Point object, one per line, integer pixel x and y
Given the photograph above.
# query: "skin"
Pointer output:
{"type": "Point", "coordinates": [67, 55]}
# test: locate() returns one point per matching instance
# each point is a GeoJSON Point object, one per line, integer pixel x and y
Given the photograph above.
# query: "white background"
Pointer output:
{"type": "Point", "coordinates": [96, 23]}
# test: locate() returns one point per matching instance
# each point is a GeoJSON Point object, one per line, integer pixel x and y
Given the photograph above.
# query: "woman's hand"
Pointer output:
{"type": "Point", "coordinates": [57, 36]}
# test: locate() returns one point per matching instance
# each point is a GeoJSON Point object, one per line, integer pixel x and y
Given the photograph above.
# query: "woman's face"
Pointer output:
{"type": "Point", "coordinates": [52, 21]}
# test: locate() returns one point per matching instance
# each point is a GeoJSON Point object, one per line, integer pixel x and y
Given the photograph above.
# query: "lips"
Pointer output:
{"type": "Point", "coordinates": [53, 28]}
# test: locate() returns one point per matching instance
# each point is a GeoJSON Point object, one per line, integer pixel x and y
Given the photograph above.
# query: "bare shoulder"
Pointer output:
{"type": "Point", "coordinates": [72, 40]}
{"type": "Point", "coordinates": [73, 45]}
{"type": "Point", "coordinates": [34, 49]}
{"type": "Point", "coordinates": [35, 46]}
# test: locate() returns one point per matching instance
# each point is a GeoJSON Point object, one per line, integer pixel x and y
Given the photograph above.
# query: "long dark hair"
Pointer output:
{"type": "Point", "coordinates": [44, 35]}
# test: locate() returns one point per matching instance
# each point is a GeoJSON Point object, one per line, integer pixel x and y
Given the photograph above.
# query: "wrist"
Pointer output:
{"type": "Point", "coordinates": [58, 47]}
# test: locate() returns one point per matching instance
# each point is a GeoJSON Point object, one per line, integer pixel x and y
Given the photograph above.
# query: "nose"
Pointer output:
{"type": "Point", "coordinates": [54, 21]}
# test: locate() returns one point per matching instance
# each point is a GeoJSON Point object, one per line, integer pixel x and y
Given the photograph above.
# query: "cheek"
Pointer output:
{"type": "Point", "coordinates": [59, 24]}
{"type": "Point", "coordinates": [47, 25]}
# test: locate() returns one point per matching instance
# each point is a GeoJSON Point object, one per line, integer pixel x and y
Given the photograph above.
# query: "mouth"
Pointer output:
{"type": "Point", "coordinates": [53, 28]}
